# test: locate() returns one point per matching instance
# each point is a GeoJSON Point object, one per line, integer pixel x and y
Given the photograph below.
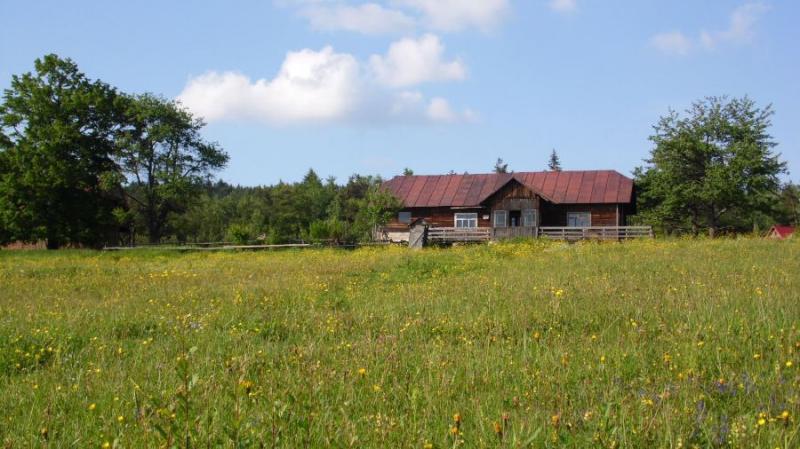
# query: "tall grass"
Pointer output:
{"type": "Point", "coordinates": [643, 344]}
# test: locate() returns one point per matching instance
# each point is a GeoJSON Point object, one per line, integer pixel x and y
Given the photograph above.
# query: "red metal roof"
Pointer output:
{"type": "Point", "coordinates": [782, 231]}
{"type": "Point", "coordinates": [560, 187]}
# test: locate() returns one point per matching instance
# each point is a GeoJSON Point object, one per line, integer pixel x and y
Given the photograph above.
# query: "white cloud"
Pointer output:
{"type": "Point", "coordinates": [368, 18]}
{"type": "Point", "coordinates": [674, 42]}
{"type": "Point", "coordinates": [395, 16]}
{"type": "Point", "coordinates": [440, 111]}
{"type": "Point", "coordinates": [741, 29]}
{"type": "Point", "coordinates": [564, 6]}
{"type": "Point", "coordinates": [414, 61]}
{"type": "Point", "coordinates": [310, 86]}
{"type": "Point", "coordinates": [455, 15]}
{"type": "Point", "coordinates": [324, 86]}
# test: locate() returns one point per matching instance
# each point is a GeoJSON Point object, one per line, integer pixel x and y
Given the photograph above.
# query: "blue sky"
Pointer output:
{"type": "Point", "coordinates": [371, 87]}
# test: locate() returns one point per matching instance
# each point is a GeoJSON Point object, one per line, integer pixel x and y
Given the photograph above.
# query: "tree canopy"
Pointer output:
{"type": "Point", "coordinates": [80, 162]}
{"type": "Point", "coordinates": [711, 168]}
{"type": "Point", "coordinates": [58, 145]}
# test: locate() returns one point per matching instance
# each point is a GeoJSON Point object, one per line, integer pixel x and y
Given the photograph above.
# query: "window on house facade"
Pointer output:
{"type": "Point", "coordinates": [500, 219]}
{"type": "Point", "coordinates": [466, 220]}
{"type": "Point", "coordinates": [404, 217]}
{"type": "Point", "coordinates": [579, 219]}
{"type": "Point", "coordinates": [529, 217]}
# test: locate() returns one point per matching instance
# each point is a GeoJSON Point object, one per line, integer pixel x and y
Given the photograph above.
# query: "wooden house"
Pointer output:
{"type": "Point", "coordinates": [556, 204]}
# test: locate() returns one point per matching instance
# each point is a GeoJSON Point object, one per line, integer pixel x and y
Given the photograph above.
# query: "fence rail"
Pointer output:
{"type": "Point", "coordinates": [459, 234]}
{"type": "Point", "coordinates": [446, 235]}
{"type": "Point", "coordinates": [512, 232]}
{"type": "Point", "coordinates": [596, 232]}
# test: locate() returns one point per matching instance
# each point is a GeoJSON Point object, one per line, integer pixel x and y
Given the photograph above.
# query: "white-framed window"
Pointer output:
{"type": "Point", "coordinates": [404, 217]}
{"type": "Point", "coordinates": [466, 220]}
{"type": "Point", "coordinates": [500, 219]}
{"type": "Point", "coordinates": [579, 219]}
{"type": "Point", "coordinates": [529, 217]}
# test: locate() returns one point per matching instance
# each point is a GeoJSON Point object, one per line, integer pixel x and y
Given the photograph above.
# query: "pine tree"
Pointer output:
{"type": "Point", "coordinates": [554, 164]}
{"type": "Point", "coordinates": [500, 167]}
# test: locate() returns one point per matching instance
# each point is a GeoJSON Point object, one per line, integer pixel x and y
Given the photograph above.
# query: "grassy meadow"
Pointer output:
{"type": "Point", "coordinates": [662, 343]}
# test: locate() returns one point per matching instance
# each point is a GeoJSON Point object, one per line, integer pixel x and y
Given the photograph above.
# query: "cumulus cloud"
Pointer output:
{"type": "Point", "coordinates": [455, 15]}
{"type": "Point", "coordinates": [415, 61]}
{"type": "Point", "coordinates": [310, 86]}
{"type": "Point", "coordinates": [564, 6]}
{"type": "Point", "coordinates": [368, 18]}
{"type": "Point", "coordinates": [741, 29]}
{"type": "Point", "coordinates": [319, 86]}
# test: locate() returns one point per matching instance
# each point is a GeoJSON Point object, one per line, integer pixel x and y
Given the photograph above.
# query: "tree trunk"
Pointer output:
{"type": "Point", "coordinates": [712, 223]}
{"type": "Point", "coordinates": [53, 243]}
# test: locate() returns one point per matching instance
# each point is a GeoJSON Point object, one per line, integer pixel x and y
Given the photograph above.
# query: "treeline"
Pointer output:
{"type": "Point", "coordinates": [312, 210]}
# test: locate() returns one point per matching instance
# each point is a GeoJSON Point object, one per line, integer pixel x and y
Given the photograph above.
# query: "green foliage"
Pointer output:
{"type": "Point", "coordinates": [638, 345]}
{"type": "Point", "coordinates": [242, 234]}
{"type": "Point", "coordinates": [554, 163]}
{"type": "Point", "coordinates": [712, 169]}
{"type": "Point", "coordinates": [165, 160]}
{"type": "Point", "coordinates": [500, 167]}
{"type": "Point", "coordinates": [80, 162]}
{"type": "Point", "coordinates": [57, 148]}
{"type": "Point", "coordinates": [311, 210]}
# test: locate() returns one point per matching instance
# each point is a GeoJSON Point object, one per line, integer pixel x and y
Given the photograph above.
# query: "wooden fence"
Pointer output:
{"type": "Point", "coordinates": [596, 232]}
{"type": "Point", "coordinates": [448, 235]}
{"type": "Point", "coordinates": [441, 235]}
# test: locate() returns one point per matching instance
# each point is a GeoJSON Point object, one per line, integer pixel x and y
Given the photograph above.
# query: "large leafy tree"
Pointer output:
{"type": "Point", "coordinates": [57, 130]}
{"type": "Point", "coordinates": [711, 168]}
{"type": "Point", "coordinates": [164, 160]}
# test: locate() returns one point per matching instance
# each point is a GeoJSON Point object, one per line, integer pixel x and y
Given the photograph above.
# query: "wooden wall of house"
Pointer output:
{"type": "Point", "coordinates": [602, 214]}
{"type": "Point", "coordinates": [514, 196]}
{"type": "Point", "coordinates": [440, 217]}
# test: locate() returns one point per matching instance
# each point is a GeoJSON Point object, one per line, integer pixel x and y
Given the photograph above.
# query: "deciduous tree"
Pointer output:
{"type": "Point", "coordinates": [57, 145]}
{"type": "Point", "coordinates": [711, 167]}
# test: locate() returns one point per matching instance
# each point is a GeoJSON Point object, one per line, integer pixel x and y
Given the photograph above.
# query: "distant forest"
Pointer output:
{"type": "Point", "coordinates": [311, 210]}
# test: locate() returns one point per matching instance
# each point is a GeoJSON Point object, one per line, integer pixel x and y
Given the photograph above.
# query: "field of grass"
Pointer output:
{"type": "Point", "coordinates": [645, 344]}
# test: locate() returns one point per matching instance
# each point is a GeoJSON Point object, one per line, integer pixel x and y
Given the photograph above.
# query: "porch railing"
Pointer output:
{"type": "Point", "coordinates": [447, 235]}
{"type": "Point", "coordinates": [459, 234]}
{"type": "Point", "coordinates": [596, 232]}
{"type": "Point", "coordinates": [512, 232]}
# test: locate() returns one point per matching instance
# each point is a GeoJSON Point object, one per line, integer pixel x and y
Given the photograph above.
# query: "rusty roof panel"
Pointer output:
{"type": "Point", "coordinates": [565, 187]}
{"type": "Point", "coordinates": [587, 184]}
{"type": "Point", "coordinates": [612, 188]}
{"type": "Point", "coordinates": [549, 185]}
{"type": "Point", "coordinates": [438, 191]}
{"type": "Point", "coordinates": [625, 193]}
{"type": "Point", "coordinates": [427, 191]}
{"type": "Point", "coordinates": [562, 182]}
{"type": "Point", "coordinates": [463, 190]}
{"type": "Point", "coordinates": [599, 188]}
{"type": "Point", "coordinates": [573, 188]}
{"type": "Point", "coordinates": [452, 189]}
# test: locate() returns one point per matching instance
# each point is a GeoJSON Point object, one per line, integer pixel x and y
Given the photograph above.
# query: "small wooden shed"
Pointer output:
{"type": "Point", "coordinates": [780, 232]}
